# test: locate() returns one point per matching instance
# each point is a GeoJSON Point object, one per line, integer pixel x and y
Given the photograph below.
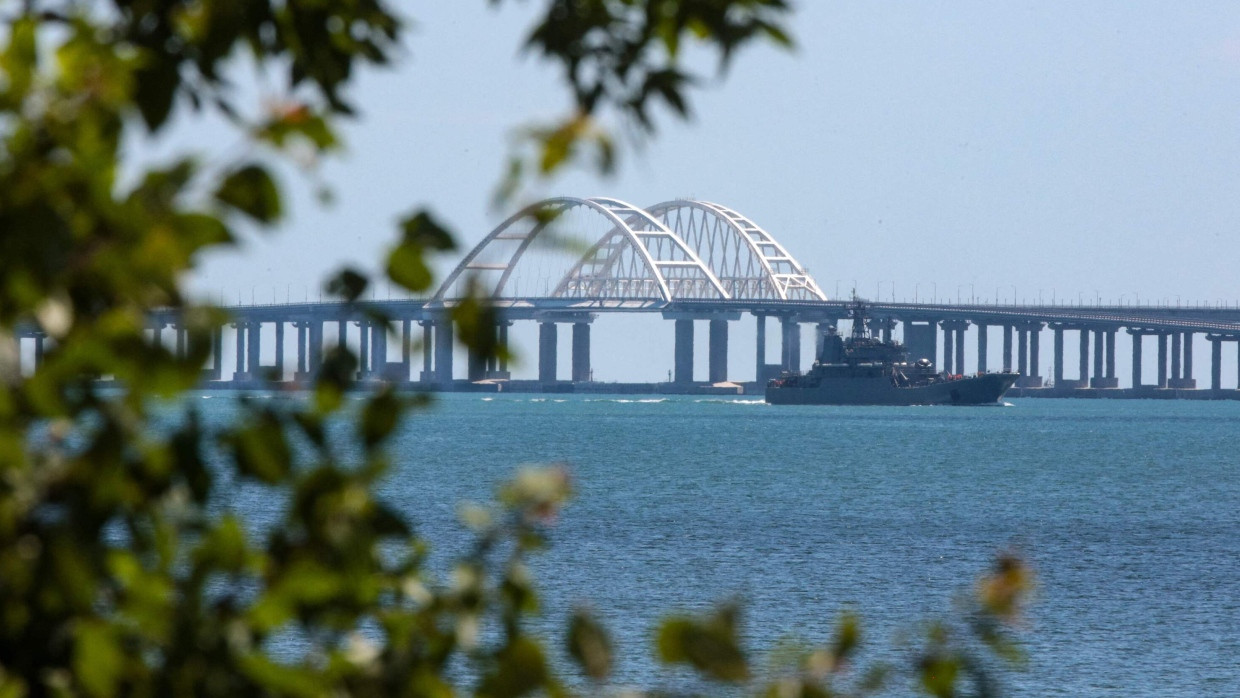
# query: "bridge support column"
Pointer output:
{"type": "Point", "coordinates": [1162, 361]}
{"type": "Point", "coordinates": [1112, 380]}
{"type": "Point", "coordinates": [1136, 357]}
{"type": "Point", "coordinates": [1099, 342]}
{"type": "Point", "coordinates": [581, 353]}
{"type": "Point", "coordinates": [1007, 348]}
{"type": "Point", "coordinates": [503, 345]}
{"type": "Point", "coordinates": [406, 350]}
{"type": "Point", "coordinates": [1216, 362]}
{"type": "Point", "coordinates": [982, 331]}
{"type": "Point", "coordinates": [1058, 351]}
{"type": "Point", "coordinates": [240, 373]}
{"type": "Point", "coordinates": [949, 353]}
{"type": "Point", "coordinates": [683, 368]}
{"type": "Point", "coordinates": [760, 372]}
{"type": "Point", "coordinates": [280, 349]}
{"type": "Point", "coordinates": [428, 352]}
{"type": "Point", "coordinates": [1176, 353]}
{"type": "Point", "coordinates": [301, 371]}
{"type": "Point", "coordinates": [922, 340]}
{"type": "Point", "coordinates": [314, 360]}
{"type": "Point", "coordinates": [1083, 358]}
{"type": "Point", "coordinates": [443, 351]}
{"type": "Point", "coordinates": [476, 364]}
{"type": "Point", "coordinates": [547, 344]}
{"type": "Point", "coordinates": [342, 334]}
{"type": "Point", "coordinates": [1035, 333]}
{"type": "Point", "coordinates": [1184, 378]}
{"type": "Point", "coordinates": [718, 368]}
{"type": "Point", "coordinates": [378, 350]}
{"type": "Point", "coordinates": [1022, 353]}
{"type": "Point", "coordinates": [791, 330]}
{"type": "Point", "coordinates": [181, 335]}
{"type": "Point", "coordinates": [253, 338]}
{"type": "Point", "coordinates": [363, 353]}
{"type": "Point", "coordinates": [960, 346]}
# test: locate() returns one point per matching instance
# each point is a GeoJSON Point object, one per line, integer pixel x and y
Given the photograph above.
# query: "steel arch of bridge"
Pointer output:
{"type": "Point", "coordinates": [677, 250]}
{"type": "Point", "coordinates": [749, 262]}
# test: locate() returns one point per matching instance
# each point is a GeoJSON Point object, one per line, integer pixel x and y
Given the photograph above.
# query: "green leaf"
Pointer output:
{"type": "Point", "coordinates": [97, 658]}
{"type": "Point", "coordinates": [252, 191]}
{"type": "Point", "coordinates": [348, 284]}
{"type": "Point", "coordinates": [589, 645]}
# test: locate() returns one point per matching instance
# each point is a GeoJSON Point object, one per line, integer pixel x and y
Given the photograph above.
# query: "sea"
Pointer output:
{"type": "Point", "coordinates": [1128, 511]}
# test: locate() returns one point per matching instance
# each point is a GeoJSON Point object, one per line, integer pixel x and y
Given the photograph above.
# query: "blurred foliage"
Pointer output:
{"type": "Point", "coordinates": [114, 578]}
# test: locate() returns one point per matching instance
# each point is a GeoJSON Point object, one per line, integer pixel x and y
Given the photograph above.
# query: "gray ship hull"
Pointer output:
{"type": "Point", "coordinates": [985, 389]}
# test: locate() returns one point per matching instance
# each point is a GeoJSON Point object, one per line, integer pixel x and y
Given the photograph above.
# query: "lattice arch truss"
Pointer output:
{"type": "Point", "coordinates": [749, 262]}
{"type": "Point", "coordinates": [678, 250]}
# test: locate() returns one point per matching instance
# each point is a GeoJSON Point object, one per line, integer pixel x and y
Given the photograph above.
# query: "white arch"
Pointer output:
{"type": "Point", "coordinates": [631, 226]}
{"type": "Point", "coordinates": [785, 276]}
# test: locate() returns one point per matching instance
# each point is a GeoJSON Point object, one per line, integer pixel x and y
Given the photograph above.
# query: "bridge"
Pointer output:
{"type": "Point", "coordinates": [571, 261]}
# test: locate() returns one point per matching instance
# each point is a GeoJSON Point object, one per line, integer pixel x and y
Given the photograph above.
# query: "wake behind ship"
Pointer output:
{"type": "Point", "coordinates": [863, 370]}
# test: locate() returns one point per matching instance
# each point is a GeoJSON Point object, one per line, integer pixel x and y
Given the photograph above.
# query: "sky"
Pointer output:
{"type": "Point", "coordinates": [1044, 149]}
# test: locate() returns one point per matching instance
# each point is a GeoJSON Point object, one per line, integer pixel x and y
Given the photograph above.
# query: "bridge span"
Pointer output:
{"type": "Point", "coordinates": [572, 261]}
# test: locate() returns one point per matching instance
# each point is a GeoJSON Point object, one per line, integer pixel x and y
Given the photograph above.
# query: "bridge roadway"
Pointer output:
{"type": "Point", "coordinates": [932, 330]}
{"type": "Point", "coordinates": [689, 261]}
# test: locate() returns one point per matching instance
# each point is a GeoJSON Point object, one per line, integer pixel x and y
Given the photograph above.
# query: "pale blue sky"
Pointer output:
{"type": "Point", "coordinates": [1070, 148]}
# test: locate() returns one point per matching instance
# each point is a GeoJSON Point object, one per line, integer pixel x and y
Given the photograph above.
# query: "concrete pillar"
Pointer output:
{"type": "Point", "coordinates": [443, 351]}
{"type": "Point", "coordinates": [40, 349]}
{"type": "Point", "coordinates": [1216, 364]}
{"type": "Point", "coordinates": [1162, 360]}
{"type": "Point", "coordinates": [791, 330]}
{"type": "Point", "coordinates": [547, 339]}
{"type": "Point", "coordinates": [1083, 358]}
{"type": "Point", "coordinates": [922, 340]}
{"type": "Point", "coordinates": [342, 334]}
{"type": "Point", "coordinates": [1136, 359]}
{"type": "Point", "coordinates": [378, 349]}
{"type": "Point", "coordinates": [982, 331]}
{"type": "Point", "coordinates": [179, 331]}
{"type": "Point", "coordinates": [949, 353]}
{"type": "Point", "coordinates": [760, 373]}
{"type": "Point", "coordinates": [1175, 359]}
{"type": "Point", "coordinates": [1034, 336]}
{"type": "Point", "coordinates": [960, 348]}
{"type": "Point", "coordinates": [406, 347]}
{"type": "Point", "coordinates": [363, 354]}
{"type": "Point", "coordinates": [1058, 351]}
{"type": "Point", "coordinates": [1111, 359]}
{"type": "Point", "coordinates": [253, 349]}
{"type": "Point", "coordinates": [718, 365]}
{"type": "Point", "coordinates": [1007, 348]}
{"type": "Point", "coordinates": [1188, 357]}
{"type": "Point", "coordinates": [157, 336]}
{"type": "Point", "coordinates": [240, 373]}
{"type": "Point", "coordinates": [280, 349]}
{"type": "Point", "coordinates": [1022, 353]}
{"type": "Point", "coordinates": [1099, 341]}
{"type": "Point", "coordinates": [428, 339]}
{"type": "Point", "coordinates": [302, 359]}
{"type": "Point", "coordinates": [887, 328]}
{"type": "Point", "coordinates": [581, 352]}
{"type": "Point", "coordinates": [315, 354]}
{"type": "Point", "coordinates": [503, 346]}
{"type": "Point", "coordinates": [683, 367]}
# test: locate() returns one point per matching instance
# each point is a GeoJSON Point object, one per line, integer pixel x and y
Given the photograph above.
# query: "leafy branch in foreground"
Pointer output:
{"type": "Point", "coordinates": [125, 568]}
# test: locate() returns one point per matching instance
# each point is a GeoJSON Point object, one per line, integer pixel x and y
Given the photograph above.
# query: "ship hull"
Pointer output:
{"type": "Point", "coordinates": [985, 389]}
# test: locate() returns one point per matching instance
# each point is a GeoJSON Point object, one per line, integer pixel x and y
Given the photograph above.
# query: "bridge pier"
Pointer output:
{"type": "Point", "coordinates": [718, 368]}
{"type": "Point", "coordinates": [922, 340]}
{"type": "Point", "coordinates": [760, 370]}
{"type": "Point", "coordinates": [1007, 348]}
{"type": "Point", "coordinates": [949, 344]}
{"type": "Point", "coordinates": [301, 371]}
{"type": "Point", "coordinates": [791, 353]}
{"type": "Point", "coordinates": [1027, 355]}
{"type": "Point", "coordinates": [683, 366]}
{"type": "Point", "coordinates": [1082, 370]}
{"type": "Point", "coordinates": [1216, 362]}
{"type": "Point", "coordinates": [1182, 361]}
{"type": "Point", "coordinates": [1058, 352]}
{"type": "Point", "coordinates": [953, 345]}
{"type": "Point", "coordinates": [217, 354]}
{"type": "Point", "coordinates": [1162, 360]}
{"type": "Point", "coordinates": [982, 331]}
{"type": "Point", "coordinates": [443, 351]}
{"type": "Point", "coordinates": [1104, 360]}
{"type": "Point", "coordinates": [1137, 337]}
{"type": "Point", "coordinates": [548, 339]}
{"type": "Point", "coordinates": [581, 352]}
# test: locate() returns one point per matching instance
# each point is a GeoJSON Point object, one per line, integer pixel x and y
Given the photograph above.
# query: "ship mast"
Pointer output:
{"type": "Point", "coordinates": [859, 316]}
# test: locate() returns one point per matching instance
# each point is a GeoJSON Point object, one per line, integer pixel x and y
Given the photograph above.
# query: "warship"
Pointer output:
{"type": "Point", "coordinates": [864, 370]}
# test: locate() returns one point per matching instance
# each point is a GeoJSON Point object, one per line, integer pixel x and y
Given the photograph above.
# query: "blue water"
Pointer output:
{"type": "Point", "coordinates": [1128, 510]}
